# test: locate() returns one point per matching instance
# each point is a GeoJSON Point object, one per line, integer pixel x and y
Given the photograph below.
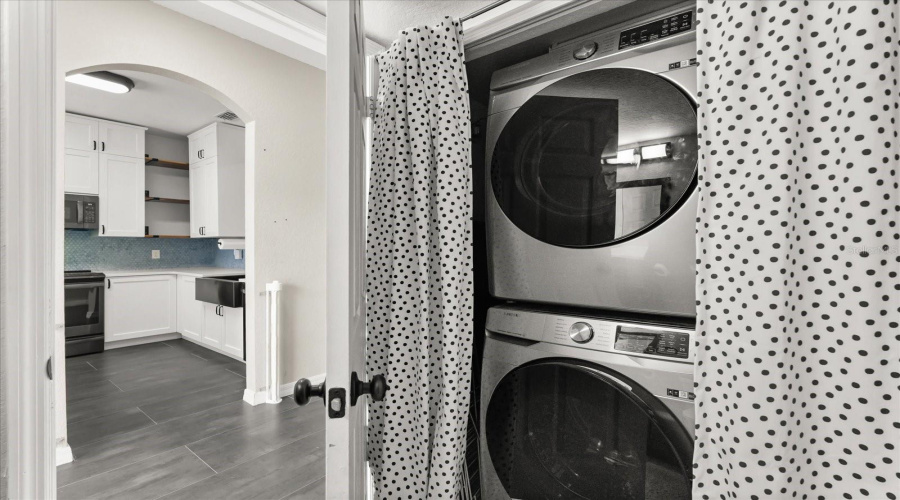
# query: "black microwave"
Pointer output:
{"type": "Point", "coordinates": [82, 211]}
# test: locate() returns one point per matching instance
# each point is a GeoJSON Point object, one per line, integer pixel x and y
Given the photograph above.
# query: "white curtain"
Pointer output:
{"type": "Point", "coordinates": [797, 367]}
{"type": "Point", "coordinates": [419, 265]}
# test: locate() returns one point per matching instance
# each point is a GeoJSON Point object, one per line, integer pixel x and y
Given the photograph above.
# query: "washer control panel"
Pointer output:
{"type": "Point", "coordinates": [645, 340]}
{"type": "Point", "coordinates": [671, 344]}
{"type": "Point", "coordinates": [660, 28]}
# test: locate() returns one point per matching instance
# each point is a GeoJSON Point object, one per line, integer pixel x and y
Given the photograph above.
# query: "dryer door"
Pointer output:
{"type": "Point", "coordinates": [560, 429]}
{"type": "Point", "coordinates": [596, 157]}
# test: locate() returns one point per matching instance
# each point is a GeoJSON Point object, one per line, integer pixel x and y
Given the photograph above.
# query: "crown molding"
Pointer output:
{"type": "Point", "coordinates": [288, 28]}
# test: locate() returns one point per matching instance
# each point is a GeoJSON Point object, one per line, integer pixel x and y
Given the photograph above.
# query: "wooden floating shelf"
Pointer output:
{"type": "Point", "coordinates": [166, 236]}
{"type": "Point", "coordinates": [156, 162]}
{"type": "Point", "coordinates": [166, 200]}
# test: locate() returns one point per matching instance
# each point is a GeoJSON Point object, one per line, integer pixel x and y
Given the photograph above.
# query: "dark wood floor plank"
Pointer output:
{"type": "Point", "coordinates": [186, 404]}
{"type": "Point", "coordinates": [312, 491]}
{"type": "Point", "coordinates": [116, 451]}
{"type": "Point", "coordinates": [145, 480]}
{"type": "Point", "coordinates": [236, 446]}
{"type": "Point", "coordinates": [90, 390]}
{"type": "Point", "coordinates": [86, 431]}
{"type": "Point", "coordinates": [212, 356]}
{"type": "Point", "coordinates": [270, 476]}
{"type": "Point", "coordinates": [80, 410]}
{"type": "Point", "coordinates": [166, 373]}
{"type": "Point", "coordinates": [74, 366]}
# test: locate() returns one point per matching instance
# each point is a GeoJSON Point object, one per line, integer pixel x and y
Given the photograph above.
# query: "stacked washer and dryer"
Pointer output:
{"type": "Point", "coordinates": [591, 203]}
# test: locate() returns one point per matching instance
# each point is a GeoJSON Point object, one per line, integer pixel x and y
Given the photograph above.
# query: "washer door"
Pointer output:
{"type": "Point", "coordinates": [596, 157]}
{"type": "Point", "coordinates": [567, 430]}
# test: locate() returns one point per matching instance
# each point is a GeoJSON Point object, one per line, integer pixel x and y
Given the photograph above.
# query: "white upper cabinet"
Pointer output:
{"type": "Point", "coordinates": [203, 144]}
{"type": "Point", "coordinates": [217, 181]}
{"type": "Point", "coordinates": [121, 196]}
{"type": "Point", "coordinates": [82, 168]}
{"type": "Point", "coordinates": [121, 140]}
{"type": "Point", "coordinates": [82, 133]}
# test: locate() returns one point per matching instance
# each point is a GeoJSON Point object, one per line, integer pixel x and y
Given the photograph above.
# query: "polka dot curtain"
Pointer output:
{"type": "Point", "coordinates": [798, 253]}
{"type": "Point", "coordinates": [419, 266]}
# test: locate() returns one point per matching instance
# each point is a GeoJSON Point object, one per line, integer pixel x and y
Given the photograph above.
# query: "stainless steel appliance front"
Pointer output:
{"type": "Point", "coordinates": [84, 303]}
{"type": "Point", "coordinates": [572, 407]}
{"type": "Point", "coordinates": [591, 171]}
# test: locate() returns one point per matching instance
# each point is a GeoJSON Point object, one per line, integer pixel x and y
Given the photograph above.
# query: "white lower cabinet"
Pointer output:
{"type": "Point", "coordinates": [234, 331]}
{"type": "Point", "coordinates": [143, 306]}
{"type": "Point", "coordinates": [213, 326]}
{"type": "Point", "coordinates": [190, 310]}
{"type": "Point", "coordinates": [139, 306]}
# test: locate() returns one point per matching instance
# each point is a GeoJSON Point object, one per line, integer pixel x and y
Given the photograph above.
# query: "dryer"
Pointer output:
{"type": "Point", "coordinates": [585, 407]}
{"type": "Point", "coordinates": [591, 170]}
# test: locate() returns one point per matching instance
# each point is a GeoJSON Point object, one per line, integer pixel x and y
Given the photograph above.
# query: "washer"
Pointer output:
{"type": "Point", "coordinates": [585, 407]}
{"type": "Point", "coordinates": [591, 179]}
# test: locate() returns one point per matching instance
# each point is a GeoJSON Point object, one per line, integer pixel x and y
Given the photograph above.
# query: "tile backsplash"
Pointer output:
{"type": "Point", "coordinates": [86, 250]}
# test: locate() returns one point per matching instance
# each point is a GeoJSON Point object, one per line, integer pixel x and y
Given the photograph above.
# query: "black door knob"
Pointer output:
{"type": "Point", "coordinates": [377, 388]}
{"type": "Point", "coordinates": [304, 390]}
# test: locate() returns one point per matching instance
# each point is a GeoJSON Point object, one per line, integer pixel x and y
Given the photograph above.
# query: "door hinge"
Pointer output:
{"type": "Point", "coordinates": [50, 367]}
{"type": "Point", "coordinates": [337, 402]}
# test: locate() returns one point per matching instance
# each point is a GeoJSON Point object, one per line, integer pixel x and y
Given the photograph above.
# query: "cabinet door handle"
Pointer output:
{"type": "Point", "coordinates": [102, 228]}
{"type": "Point", "coordinates": [108, 283]}
{"type": "Point", "coordinates": [102, 145]}
{"type": "Point", "coordinates": [201, 153]}
{"type": "Point", "coordinates": [95, 145]}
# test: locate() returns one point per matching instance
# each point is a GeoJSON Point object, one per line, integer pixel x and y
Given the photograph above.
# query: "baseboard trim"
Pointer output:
{"type": "Point", "coordinates": [141, 340]}
{"type": "Point", "coordinates": [64, 453]}
{"type": "Point", "coordinates": [284, 390]}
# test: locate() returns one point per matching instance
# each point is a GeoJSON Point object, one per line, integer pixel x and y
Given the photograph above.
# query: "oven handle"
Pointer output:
{"type": "Point", "coordinates": [96, 284]}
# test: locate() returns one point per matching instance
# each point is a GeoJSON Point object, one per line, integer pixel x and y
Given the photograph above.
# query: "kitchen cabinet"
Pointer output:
{"type": "Point", "coordinates": [203, 144]}
{"type": "Point", "coordinates": [223, 329]}
{"type": "Point", "coordinates": [139, 306]}
{"type": "Point", "coordinates": [217, 182]}
{"type": "Point", "coordinates": [190, 311]}
{"type": "Point", "coordinates": [82, 168]}
{"type": "Point", "coordinates": [234, 331]}
{"type": "Point", "coordinates": [121, 140]}
{"type": "Point", "coordinates": [82, 171]}
{"type": "Point", "coordinates": [121, 196]}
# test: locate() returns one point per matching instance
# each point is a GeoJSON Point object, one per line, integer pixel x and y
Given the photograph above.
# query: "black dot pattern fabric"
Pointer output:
{"type": "Point", "coordinates": [797, 367]}
{"type": "Point", "coordinates": [419, 266]}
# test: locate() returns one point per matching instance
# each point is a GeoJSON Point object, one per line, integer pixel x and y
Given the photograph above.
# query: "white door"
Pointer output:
{"type": "Point", "coordinates": [190, 310]}
{"type": "Point", "coordinates": [234, 331]}
{"type": "Point", "coordinates": [346, 109]}
{"type": "Point", "coordinates": [121, 140]}
{"type": "Point", "coordinates": [213, 325]}
{"type": "Point", "coordinates": [81, 133]}
{"type": "Point", "coordinates": [139, 306]}
{"type": "Point", "coordinates": [82, 172]}
{"type": "Point", "coordinates": [121, 196]}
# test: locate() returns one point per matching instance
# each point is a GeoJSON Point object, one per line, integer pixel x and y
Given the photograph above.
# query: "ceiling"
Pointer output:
{"type": "Point", "coordinates": [166, 106]}
{"type": "Point", "coordinates": [385, 18]}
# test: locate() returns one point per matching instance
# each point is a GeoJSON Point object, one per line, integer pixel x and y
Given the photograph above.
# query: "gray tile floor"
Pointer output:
{"type": "Point", "coordinates": [166, 420]}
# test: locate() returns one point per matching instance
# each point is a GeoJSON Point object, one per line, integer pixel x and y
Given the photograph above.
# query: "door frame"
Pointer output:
{"type": "Point", "coordinates": [30, 214]}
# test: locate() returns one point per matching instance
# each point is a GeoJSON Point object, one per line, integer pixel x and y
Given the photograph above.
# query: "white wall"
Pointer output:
{"type": "Point", "coordinates": [282, 102]}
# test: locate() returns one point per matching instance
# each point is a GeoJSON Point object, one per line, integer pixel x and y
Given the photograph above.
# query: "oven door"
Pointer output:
{"type": "Point", "coordinates": [84, 309]}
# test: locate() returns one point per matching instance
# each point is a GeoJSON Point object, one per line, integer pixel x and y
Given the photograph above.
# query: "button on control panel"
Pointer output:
{"type": "Point", "coordinates": [581, 332]}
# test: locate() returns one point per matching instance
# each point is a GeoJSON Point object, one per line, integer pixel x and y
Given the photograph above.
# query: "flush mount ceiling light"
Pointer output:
{"type": "Point", "coordinates": [663, 150]}
{"type": "Point", "coordinates": [103, 80]}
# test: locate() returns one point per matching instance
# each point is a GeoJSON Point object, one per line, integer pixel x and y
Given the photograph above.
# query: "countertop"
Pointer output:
{"type": "Point", "coordinates": [198, 272]}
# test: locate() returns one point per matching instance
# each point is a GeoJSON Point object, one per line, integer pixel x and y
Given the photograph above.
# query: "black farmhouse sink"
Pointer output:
{"type": "Point", "coordinates": [222, 290]}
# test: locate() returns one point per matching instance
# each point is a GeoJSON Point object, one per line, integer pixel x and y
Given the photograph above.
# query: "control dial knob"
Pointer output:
{"type": "Point", "coordinates": [581, 332]}
{"type": "Point", "coordinates": [586, 50]}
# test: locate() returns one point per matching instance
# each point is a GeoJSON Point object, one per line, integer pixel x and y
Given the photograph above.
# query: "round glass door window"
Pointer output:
{"type": "Point", "coordinates": [558, 430]}
{"type": "Point", "coordinates": [596, 157]}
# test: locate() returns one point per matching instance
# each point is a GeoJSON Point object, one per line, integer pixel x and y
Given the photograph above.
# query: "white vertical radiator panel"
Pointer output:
{"type": "Point", "coordinates": [272, 290]}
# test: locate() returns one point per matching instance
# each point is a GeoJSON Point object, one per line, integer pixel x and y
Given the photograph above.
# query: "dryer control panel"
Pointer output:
{"type": "Point", "coordinates": [600, 334]}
